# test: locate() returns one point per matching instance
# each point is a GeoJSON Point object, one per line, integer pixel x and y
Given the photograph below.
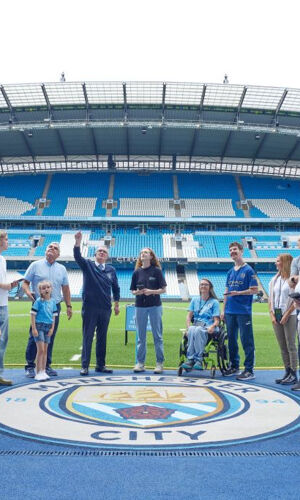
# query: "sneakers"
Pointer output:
{"type": "Point", "coordinates": [159, 368]}
{"type": "Point", "coordinates": [245, 375]}
{"type": "Point", "coordinates": [41, 376]}
{"type": "Point", "coordinates": [29, 372]}
{"type": "Point", "coordinates": [139, 367]}
{"type": "Point", "coordinates": [84, 372]}
{"type": "Point", "coordinates": [291, 379]}
{"type": "Point", "coordinates": [51, 372]}
{"type": "Point", "coordinates": [232, 371]}
{"type": "Point", "coordinates": [198, 365]}
{"type": "Point", "coordinates": [188, 365]}
{"type": "Point", "coordinates": [3, 381]}
{"type": "Point", "coordinates": [286, 375]}
{"type": "Point", "coordinates": [296, 387]}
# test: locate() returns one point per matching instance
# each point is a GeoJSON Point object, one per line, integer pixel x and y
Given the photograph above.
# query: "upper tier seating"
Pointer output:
{"type": "Point", "coordinates": [83, 185]}
{"type": "Point", "coordinates": [78, 206]}
{"type": "Point", "coordinates": [211, 207]}
{"type": "Point", "coordinates": [149, 206]}
{"type": "Point", "coordinates": [272, 197]}
{"type": "Point", "coordinates": [19, 193]}
{"type": "Point", "coordinates": [143, 186]}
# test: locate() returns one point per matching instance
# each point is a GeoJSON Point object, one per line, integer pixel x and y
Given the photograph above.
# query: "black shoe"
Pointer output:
{"type": "Point", "coordinates": [279, 380]}
{"type": "Point", "coordinates": [29, 372]}
{"type": "Point", "coordinates": [291, 379]}
{"type": "Point", "coordinates": [84, 371]}
{"type": "Point", "coordinates": [51, 372]}
{"type": "Point", "coordinates": [232, 371]}
{"type": "Point", "coordinates": [103, 369]}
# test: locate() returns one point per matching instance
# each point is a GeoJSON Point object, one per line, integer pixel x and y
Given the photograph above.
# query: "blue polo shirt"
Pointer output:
{"type": "Point", "coordinates": [44, 310]}
{"type": "Point", "coordinates": [236, 281]}
{"type": "Point", "coordinates": [41, 270]}
{"type": "Point", "coordinates": [205, 310]}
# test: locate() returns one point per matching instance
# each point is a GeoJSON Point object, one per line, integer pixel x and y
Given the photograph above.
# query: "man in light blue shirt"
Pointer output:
{"type": "Point", "coordinates": [50, 270]}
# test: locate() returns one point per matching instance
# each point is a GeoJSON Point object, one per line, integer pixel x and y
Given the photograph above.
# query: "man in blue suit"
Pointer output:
{"type": "Point", "coordinates": [100, 282]}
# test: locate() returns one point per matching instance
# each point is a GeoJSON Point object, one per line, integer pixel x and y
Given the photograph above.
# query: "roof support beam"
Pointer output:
{"type": "Point", "coordinates": [125, 105]}
{"type": "Point", "coordinates": [259, 147]}
{"type": "Point", "coordinates": [237, 118]}
{"type": "Point", "coordinates": [62, 146]}
{"type": "Point", "coordinates": [279, 106]}
{"type": "Point", "coordinates": [292, 151]}
{"type": "Point", "coordinates": [12, 116]}
{"type": "Point", "coordinates": [87, 104]}
{"type": "Point", "coordinates": [163, 107]}
{"type": "Point", "coordinates": [196, 131]}
{"type": "Point", "coordinates": [223, 154]}
{"type": "Point", "coordinates": [47, 101]}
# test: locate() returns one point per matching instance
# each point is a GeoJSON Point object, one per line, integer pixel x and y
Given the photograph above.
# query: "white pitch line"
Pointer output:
{"type": "Point", "coordinates": [76, 357]}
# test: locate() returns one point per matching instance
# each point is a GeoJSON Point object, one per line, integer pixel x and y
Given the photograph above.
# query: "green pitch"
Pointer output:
{"type": "Point", "coordinates": [67, 346]}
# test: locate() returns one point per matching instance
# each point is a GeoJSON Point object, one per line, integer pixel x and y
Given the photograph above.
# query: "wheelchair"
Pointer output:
{"type": "Point", "coordinates": [216, 353]}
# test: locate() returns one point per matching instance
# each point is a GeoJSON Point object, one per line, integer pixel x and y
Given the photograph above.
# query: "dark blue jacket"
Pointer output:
{"type": "Point", "coordinates": [98, 285]}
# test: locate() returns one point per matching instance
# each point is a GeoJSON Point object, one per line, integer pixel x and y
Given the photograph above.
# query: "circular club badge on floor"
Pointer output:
{"type": "Point", "coordinates": [146, 412]}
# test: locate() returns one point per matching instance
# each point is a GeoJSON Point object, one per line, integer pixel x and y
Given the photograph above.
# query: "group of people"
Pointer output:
{"type": "Point", "coordinates": [46, 283]}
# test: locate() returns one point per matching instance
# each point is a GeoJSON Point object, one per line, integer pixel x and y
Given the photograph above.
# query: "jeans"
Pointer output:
{"type": "Point", "coordinates": [43, 330]}
{"type": "Point", "coordinates": [4, 334]}
{"type": "Point", "coordinates": [141, 319]}
{"type": "Point", "coordinates": [242, 323]}
{"type": "Point", "coordinates": [197, 338]}
{"type": "Point", "coordinates": [31, 345]}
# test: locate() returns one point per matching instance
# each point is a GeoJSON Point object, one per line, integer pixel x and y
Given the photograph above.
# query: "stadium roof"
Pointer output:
{"type": "Point", "coordinates": [149, 125]}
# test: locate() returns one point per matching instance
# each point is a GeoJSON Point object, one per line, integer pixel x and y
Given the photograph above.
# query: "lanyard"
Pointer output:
{"type": "Point", "coordinates": [198, 312]}
{"type": "Point", "coordinates": [279, 295]}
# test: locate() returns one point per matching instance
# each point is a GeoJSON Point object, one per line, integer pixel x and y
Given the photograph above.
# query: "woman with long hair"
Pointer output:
{"type": "Point", "coordinates": [147, 284]}
{"type": "Point", "coordinates": [283, 317]}
{"type": "Point", "coordinates": [205, 312]}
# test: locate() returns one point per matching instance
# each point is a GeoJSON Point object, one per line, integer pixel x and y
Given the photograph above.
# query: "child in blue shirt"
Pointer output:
{"type": "Point", "coordinates": [43, 314]}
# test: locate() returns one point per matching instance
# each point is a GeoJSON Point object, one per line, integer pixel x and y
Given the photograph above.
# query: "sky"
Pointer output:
{"type": "Point", "coordinates": [255, 42]}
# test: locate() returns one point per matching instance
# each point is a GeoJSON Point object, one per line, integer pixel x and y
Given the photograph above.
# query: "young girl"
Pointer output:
{"type": "Point", "coordinates": [43, 314]}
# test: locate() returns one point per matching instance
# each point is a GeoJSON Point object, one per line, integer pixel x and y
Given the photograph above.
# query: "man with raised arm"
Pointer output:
{"type": "Point", "coordinates": [100, 282]}
{"type": "Point", "coordinates": [46, 269]}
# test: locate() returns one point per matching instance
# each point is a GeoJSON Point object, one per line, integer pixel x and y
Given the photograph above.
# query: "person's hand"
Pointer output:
{"type": "Point", "coordinates": [78, 238]}
{"type": "Point", "coordinates": [14, 284]}
{"type": "Point", "coordinates": [211, 329]}
{"type": "Point", "coordinates": [284, 319]}
{"type": "Point", "coordinates": [69, 312]}
{"type": "Point", "coordinates": [297, 303]}
{"type": "Point", "coordinates": [50, 333]}
{"type": "Point", "coordinates": [35, 333]}
{"type": "Point", "coordinates": [117, 309]}
{"type": "Point", "coordinates": [147, 292]}
{"type": "Point", "coordinates": [222, 316]}
{"type": "Point", "coordinates": [139, 292]}
{"type": "Point", "coordinates": [273, 319]}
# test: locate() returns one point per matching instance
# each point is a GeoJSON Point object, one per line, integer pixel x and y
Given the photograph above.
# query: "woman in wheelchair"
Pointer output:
{"type": "Point", "coordinates": [204, 312]}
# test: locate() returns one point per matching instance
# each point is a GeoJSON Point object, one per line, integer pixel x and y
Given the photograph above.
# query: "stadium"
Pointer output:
{"type": "Point", "coordinates": [183, 168]}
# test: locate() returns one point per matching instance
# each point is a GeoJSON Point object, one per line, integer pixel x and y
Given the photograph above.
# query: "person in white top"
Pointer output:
{"type": "Point", "coordinates": [283, 317]}
{"type": "Point", "coordinates": [4, 289]}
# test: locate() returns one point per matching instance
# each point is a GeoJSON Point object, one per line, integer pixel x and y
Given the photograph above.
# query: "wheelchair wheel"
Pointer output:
{"type": "Point", "coordinates": [213, 371]}
{"type": "Point", "coordinates": [223, 353]}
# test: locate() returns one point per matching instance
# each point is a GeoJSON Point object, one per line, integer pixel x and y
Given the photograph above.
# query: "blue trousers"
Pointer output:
{"type": "Point", "coordinates": [141, 318]}
{"type": "Point", "coordinates": [4, 334]}
{"type": "Point", "coordinates": [197, 338]}
{"type": "Point", "coordinates": [94, 318]}
{"type": "Point", "coordinates": [242, 323]}
{"type": "Point", "coordinates": [31, 345]}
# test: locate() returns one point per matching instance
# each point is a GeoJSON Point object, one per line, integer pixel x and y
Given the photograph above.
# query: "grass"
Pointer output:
{"type": "Point", "coordinates": [68, 339]}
